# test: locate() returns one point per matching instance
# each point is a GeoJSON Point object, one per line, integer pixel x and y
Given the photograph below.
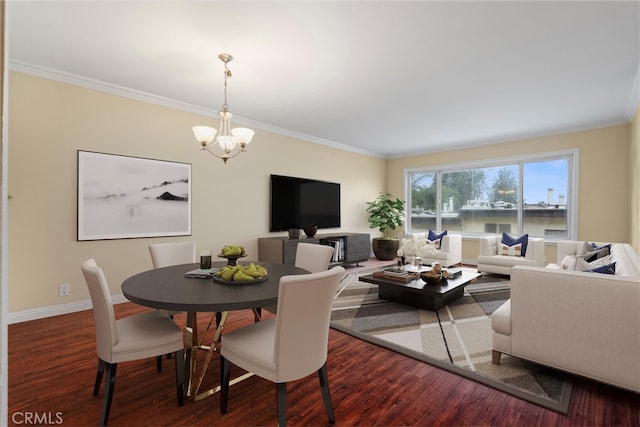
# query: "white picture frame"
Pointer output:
{"type": "Point", "coordinates": [122, 197]}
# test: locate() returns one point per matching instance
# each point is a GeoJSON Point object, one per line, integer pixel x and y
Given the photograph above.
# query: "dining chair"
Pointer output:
{"type": "Point", "coordinates": [135, 337]}
{"type": "Point", "coordinates": [290, 346]}
{"type": "Point", "coordinates": [311, 257]}
{"type": "Point", "coordinates": [167, 254]}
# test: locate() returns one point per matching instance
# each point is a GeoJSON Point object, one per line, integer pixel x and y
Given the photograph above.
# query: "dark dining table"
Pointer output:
{"type": "Point", "coordinates": [168, 288]}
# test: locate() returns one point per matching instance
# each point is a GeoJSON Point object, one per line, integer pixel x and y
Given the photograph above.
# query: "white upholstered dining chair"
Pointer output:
{"type": "Point", "coordinates": [290, 346]}
{"type": "Point", "coordinates": [311, 257]}
{"type": "Point", "coordinates": [166, 254]}
{"type": "Point", "coordinates": [135, 337]}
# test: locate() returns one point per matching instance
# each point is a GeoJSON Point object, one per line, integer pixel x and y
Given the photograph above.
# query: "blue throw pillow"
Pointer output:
{"type": "Point", "coordinates": [510, 241]}
{"type": "Point", "coordinates": [604, 269]}
{"type": "Point", "coordinates": [433, 236]}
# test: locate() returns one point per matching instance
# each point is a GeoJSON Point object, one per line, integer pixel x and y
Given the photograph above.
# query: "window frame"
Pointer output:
{"type": "Point", "coordinates": [571, 155]}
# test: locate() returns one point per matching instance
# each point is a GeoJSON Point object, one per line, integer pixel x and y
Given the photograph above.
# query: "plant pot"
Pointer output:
{"type": "Point", "coordinates": [385, 249]}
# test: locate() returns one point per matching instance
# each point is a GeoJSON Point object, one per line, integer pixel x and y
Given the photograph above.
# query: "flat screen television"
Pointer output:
{"type": "Point", "coordinates": [299, 202]}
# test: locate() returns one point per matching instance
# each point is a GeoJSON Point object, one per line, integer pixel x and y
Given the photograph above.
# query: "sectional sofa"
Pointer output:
{"type": "Point", "coordinates": [585, 323]}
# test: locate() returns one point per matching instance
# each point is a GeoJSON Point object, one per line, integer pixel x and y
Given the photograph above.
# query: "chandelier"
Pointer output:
{"type": "Point", "coordinates": [229, 142]}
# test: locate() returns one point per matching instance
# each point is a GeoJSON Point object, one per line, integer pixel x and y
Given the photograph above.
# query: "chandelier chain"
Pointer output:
{"type": "Point", "coordinates": [227, 74]}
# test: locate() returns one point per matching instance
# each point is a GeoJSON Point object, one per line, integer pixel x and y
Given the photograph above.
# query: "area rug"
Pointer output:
{"type": "Point", "coordinates": [456, 338]}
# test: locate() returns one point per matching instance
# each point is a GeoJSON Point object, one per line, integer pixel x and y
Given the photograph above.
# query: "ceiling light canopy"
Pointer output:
{"type": "Point", "coordinates": [229, 142]}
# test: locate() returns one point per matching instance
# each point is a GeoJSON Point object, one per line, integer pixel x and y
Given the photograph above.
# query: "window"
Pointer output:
{"type": "Point", "coordinates": [532, 194]}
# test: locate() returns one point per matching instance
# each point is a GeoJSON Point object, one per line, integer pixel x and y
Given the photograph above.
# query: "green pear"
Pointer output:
{"type": "Point", "coordinates": [251, 270]}
{"type": "Point", "coordinates": [239, 276]}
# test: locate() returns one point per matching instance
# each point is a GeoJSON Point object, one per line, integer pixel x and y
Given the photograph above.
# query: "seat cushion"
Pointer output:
{"type": "Point", "coordinates": [145, 335]}
{"type": "Point", "coordinates": [240, 347]}
{"type": "Point", "coordinates": [504, 260]}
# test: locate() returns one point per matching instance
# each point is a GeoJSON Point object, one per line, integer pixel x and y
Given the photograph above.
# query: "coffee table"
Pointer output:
{"type": "Point", "coordinates": [419, 294]}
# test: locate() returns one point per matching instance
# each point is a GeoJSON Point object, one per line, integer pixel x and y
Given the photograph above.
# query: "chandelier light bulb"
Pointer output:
{"type": "Point", "coordinates": [204, 134]}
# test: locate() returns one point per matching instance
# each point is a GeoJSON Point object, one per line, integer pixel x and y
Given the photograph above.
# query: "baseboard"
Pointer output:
{"type": "Point", "coordinates": [56, 310]}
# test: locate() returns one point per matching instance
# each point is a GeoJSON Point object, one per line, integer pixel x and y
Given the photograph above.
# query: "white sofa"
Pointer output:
{"type": "Point", "coordinates": [450, 252]}
{"type": "Point", "coordinates": [489, 261]}
{"type": "Point", "coordinates": [580, 322]}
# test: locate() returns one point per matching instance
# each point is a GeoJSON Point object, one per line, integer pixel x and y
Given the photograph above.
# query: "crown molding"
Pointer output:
{"type": "Point", "coordinates": [101, 86]}
{"type": "Point", "coordinates": [634, 98]}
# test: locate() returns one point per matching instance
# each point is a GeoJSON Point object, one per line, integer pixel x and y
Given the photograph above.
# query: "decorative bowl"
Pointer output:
{"type": "Point", "coordinates": [430, 277]}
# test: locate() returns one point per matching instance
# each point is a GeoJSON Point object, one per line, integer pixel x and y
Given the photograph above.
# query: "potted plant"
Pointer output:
{"type": "Point", "coordinates": [385, 213]}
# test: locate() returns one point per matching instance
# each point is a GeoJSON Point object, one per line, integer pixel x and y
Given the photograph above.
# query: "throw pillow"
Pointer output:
{"type": "Point", "coordinates": [599, 251]}
{"type": "Point", "coordinates": [591, 251]}
{"type": "Point", "coordinates": [605, 246]}
{"type": "Point", "coordinates": [599, 262]}
{"type": "Point", "coordinates": [586, 247]}
{"type": "Point", "coordinates": [595, 254]}
{"type": "Point", "coordinates": [568, 262]}
{"type": "Point", "coordinates": [511, 241]}
{"type": "Point", "coordinates": [604, 269]}
{"type": "Point", "coordinates": [514, 250]}
{"type": "Point", "coordinates": [436, 238]}
{"type": "Point", "coordinates": [582, 265]}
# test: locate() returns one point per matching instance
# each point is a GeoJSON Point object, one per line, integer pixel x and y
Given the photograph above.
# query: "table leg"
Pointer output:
{"type": "Point", "coordinates": [191, 350]}
{"type": "Point", "coordinates": [192, 345]}
{"type": "Point", "coordinates": [212, 349]}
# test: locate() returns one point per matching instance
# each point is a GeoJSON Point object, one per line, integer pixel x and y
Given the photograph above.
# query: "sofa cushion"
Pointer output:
{"type": "Point", "coordinates": [515, 250]}
{"type": "Point", "coordinates": [592, 251]}
{"type": "Point", "coordinates": [582, 265]}
{"type": "Point", "coordinates": [505, 261]}
{"type": "Point", "coordinates": [512, 241]}
{"type": "Point", "coordinates": [604, 269]}
{"type": "Point", "coordinates": [584, 248]}
{"type": "Point", "coordinates": [595, 254]}
{"type": "Point", "coordinates": [597, 247]}
{"type": "Point", "coordinates": [568, 263]}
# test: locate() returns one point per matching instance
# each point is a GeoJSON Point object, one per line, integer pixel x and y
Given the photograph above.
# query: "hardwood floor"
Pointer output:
{"type": "Point", "coordinates": [52, 365]}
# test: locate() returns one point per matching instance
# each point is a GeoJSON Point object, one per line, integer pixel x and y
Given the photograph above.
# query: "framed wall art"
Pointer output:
{"type": "Point", "coordinates": [121, 197]}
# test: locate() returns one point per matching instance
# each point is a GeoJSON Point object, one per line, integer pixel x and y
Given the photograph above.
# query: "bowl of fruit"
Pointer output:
{"type": "Point", "coordinates": [232, 253]}
{"type": "Point", "coordinates": [238, 274]}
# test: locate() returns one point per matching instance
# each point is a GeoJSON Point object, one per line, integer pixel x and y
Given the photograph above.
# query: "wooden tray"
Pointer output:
{"type": "Point", "coordinates": [401, 279]}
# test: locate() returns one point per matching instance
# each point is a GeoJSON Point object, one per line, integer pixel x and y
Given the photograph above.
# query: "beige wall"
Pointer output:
{"type": "Point", "coordinates": [634, 191]}
{"type": "Point", "coordinates": [604, 196]}
{"type": "Point", "coordinates": [50, 121]}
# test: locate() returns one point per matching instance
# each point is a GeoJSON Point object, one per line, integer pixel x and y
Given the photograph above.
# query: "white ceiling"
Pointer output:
{"type": "Point", "coordinates": [387, 78]}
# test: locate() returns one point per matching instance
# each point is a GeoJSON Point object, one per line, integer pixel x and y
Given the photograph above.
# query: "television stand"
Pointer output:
{"type": "Point", "coordinates": [351, 248]}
